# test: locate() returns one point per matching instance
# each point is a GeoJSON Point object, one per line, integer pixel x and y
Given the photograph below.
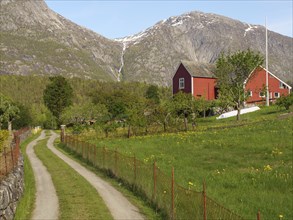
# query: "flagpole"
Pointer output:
{"type": "Point", "coordinates": [267, 66]}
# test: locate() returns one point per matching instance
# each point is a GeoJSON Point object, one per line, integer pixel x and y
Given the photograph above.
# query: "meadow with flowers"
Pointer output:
{"type": "Point", "coordinates": [247, 165]}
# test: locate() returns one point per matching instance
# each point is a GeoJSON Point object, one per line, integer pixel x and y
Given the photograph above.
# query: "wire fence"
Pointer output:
{"type": "Point", "coordinates": [10, 154]}
{"type": "Point", "coordinates": [175, 201]}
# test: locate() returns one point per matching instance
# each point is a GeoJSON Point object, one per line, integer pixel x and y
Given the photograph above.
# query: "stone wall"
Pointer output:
{"type": "Point", "coordinates": [11, 190]}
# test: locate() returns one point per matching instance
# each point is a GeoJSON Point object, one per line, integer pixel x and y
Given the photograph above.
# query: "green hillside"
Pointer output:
{"type": "Point", "coordinates": [46, 57]}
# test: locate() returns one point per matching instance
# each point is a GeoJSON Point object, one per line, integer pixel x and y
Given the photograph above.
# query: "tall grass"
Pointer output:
{"type": "Point", "coordinates": [247, 166]}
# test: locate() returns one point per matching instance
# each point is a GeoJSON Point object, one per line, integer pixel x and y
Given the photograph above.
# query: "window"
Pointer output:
{"type": "Point", "coordinates": [281, 85]}
{"type": "Point", "coordinates": [249, 93]}
{"type": "Point", "coordinates": [262, 94]}
{"type": "Point", "coordinates": [277, 95]}
{"type": "Point", "coordinates": [181, 83]}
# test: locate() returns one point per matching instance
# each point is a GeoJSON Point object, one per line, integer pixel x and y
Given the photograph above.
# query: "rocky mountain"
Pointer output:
{"type": "Point", "coordinates": [36, 40]}
{"type": "Point", "coordinates": [154, 54]}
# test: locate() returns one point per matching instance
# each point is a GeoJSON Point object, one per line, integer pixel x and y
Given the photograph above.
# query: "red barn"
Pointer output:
{"type": "Point", "coordinates": [200, 81]}
{"type": "Point", "coordinates": [194, 78]}
{"type": "Point", "coordinates": [256, 82]}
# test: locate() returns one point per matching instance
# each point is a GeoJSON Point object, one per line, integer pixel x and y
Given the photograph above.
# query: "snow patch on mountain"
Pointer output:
{"type": "Point", "coordinates": [178, 20]}
{"type": "Point", "coordinates": [250, 28]}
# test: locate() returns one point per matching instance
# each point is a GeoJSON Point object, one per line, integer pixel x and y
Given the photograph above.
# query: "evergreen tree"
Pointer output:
{"type": "Point", "coordinates": [58, 95]}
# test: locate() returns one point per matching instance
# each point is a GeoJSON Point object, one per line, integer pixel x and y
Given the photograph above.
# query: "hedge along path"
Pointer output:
{"type": "Point", "coordinates": [118, 205]}
{"type": "Point", "coordinates": [46, 205]}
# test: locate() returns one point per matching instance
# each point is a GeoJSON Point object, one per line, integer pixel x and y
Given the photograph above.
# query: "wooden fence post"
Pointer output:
{"type": "Point", "coordinates": [204, 201]}
{"type": "Point", "coordinates": [11, 152]}
{"type": "Point", "coordinates": [155, 181]}
{"type": "Point", "coordinates": [116, 158]}
{"type": "Point", "coordinates": [104, 155]}
{"type": "Point", "coordinates": [62, 133]}
{"type": "Point", "coordinates": [5, 159]}
{"type": "Point", "coordinates": [258, 215]}
{"type": "Point", "coordinates": [83, 149]}
{"type": "Point", "coordinates": [95, 155]}
{"type": "Point", "coordinates": [134, 163]}
{"type": "Point", "coordinates": [90, 152]}
{"type": "Point", "coordinates": [173, 196]}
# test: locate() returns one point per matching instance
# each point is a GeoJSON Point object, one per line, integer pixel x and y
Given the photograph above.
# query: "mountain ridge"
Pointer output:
{"type": "Point", "coordinates": [198, 43]}
{"type": "Point", "coordinates": [37, 40]}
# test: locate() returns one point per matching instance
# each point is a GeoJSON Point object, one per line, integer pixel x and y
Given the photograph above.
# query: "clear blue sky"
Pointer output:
{"type": "Point", "coordinates": [114, 19]}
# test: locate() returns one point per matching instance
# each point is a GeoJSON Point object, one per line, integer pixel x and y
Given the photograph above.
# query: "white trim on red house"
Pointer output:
{"type": "Point", "coordinates": [271, 75]}
{"type": "Point", "coordinates": [181, 83]}
{"type": "Point", "coordinates": [191, 85]}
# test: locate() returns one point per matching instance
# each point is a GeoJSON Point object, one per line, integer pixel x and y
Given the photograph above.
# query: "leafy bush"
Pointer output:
{"type": "Point", "coordinates": [285, 101]}
{"type": "Point", "coordinates": [4, 134]}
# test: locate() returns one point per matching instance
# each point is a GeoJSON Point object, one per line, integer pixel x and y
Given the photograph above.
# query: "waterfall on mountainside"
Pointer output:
{"type": "Point", "coordinates": [122, 62]}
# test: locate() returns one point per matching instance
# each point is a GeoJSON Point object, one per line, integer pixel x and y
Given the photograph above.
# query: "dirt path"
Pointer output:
{"type": "Point", "coordinates": [118, 205]}
{"type": "Point", "coordinates": [46, 205]}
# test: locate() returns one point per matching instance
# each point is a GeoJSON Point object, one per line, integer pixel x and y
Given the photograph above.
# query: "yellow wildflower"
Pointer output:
{"type": "Point", "coordinates": [267, 168]}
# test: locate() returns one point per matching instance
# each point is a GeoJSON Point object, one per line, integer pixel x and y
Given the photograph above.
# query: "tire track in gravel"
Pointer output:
{"type": "Point", "coordinates": [46, 205]}
{"type": "Point", "coordinates": [118, 205]}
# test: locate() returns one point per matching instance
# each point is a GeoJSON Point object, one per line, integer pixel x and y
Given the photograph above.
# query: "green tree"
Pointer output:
{"type": "Point", "coordinates": [8, 111]}
{"type": "Point", "coordinates": [58, 95]}
{"type": "Point", "coordinates": [231, 72]}
{"type": "Point", "coordinates": [80, 114]}
{"type": "Point", "coordinates": [24, 118]}
{"type": "Point", "coordinates": [162, 114]}
{"type": "Point", "coordinates": [135, 113]}
{"type": "Point", "coordinates": [152, 93]}
{"type": "Point", "coordinates": [41, 116]}
{"type": "Point", "coordinates": [183, 105]}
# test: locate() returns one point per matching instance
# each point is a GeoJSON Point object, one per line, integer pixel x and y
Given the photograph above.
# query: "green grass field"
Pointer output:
{"type": "Point", "coordinates": [77, 198]}
{"type": "Point", "coordinates": [247, 165]}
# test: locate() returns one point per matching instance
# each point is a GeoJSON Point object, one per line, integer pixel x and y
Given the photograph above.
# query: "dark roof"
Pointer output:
{"type": "Point", "coordinates": [196, 69]}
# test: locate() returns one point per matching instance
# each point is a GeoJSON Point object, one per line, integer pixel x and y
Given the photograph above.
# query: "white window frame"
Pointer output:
{"type": "Point", "coordinates": [262, 96]}
{"type": "Point", "coordinates": [281, 85]}
{"type": "Point", "coordinates": [278, 96]}
{"type": "Point", "coordinates": [250, 93]}
{"type": "Point", "coordinates": [181, 83]}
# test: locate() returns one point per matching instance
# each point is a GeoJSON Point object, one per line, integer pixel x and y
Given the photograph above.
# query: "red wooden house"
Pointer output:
{"type": "Point", "coordinates": [200, 81]}
{"type": "Point", "coordinates": [256, 83]}
{"type": "Point", "coordinates": [194, 78]}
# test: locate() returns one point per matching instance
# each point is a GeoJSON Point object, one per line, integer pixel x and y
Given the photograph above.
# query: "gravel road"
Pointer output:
{"type": "Point", "coordinates": [118, 205]}
{"type": "Point", "coordinates": [46, 205]}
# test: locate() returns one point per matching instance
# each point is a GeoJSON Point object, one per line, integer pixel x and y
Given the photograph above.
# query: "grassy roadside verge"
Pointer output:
{"type": "Point", "coordinates": [77, 198]}
{"type": "Point", "coordinates": [141, 204]}
{"type": "Point", "coordinates": [26, 203]}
